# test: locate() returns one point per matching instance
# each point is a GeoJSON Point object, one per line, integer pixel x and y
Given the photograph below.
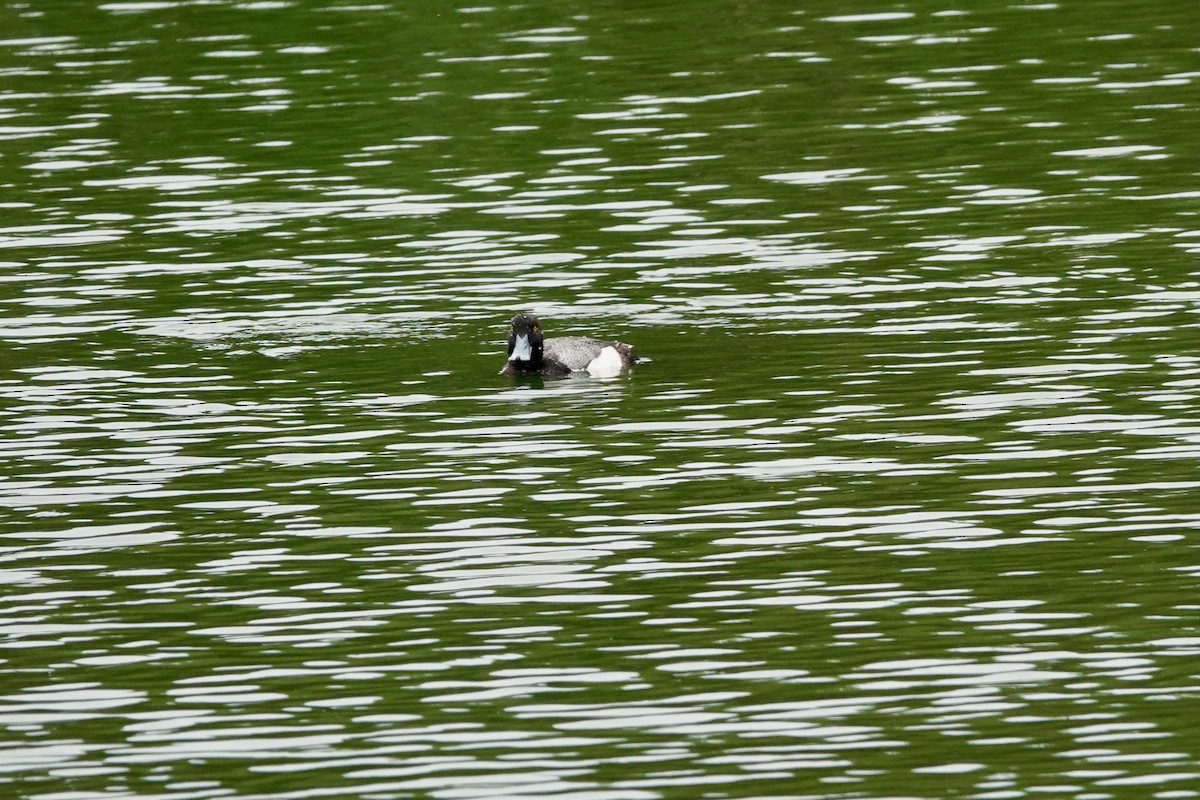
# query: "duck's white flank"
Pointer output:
{"type": "Point", "coordinates": [606, 365]}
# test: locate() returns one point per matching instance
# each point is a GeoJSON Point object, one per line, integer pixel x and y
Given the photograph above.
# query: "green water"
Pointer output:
{"type": "Point", "coordinates": [902, 502]}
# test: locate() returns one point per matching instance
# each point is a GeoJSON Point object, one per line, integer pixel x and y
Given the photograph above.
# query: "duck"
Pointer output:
{"type": "Point", "coordinates": [531, 353]}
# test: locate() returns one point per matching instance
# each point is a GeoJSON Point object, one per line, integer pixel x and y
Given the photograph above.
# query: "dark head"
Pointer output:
{"type": "Point", "coordinates": [525, 344]}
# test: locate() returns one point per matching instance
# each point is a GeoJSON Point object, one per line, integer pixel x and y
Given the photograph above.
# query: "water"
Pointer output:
{"type": "Point", "coordinates": [903, 503]}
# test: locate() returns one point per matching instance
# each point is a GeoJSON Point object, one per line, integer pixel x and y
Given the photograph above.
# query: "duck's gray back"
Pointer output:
{"type": "Point", "coordinates": [576, 352]}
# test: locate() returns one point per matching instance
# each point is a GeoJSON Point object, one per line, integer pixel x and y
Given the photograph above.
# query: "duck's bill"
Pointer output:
{"type": "Point", "coordinates": [522, 350]}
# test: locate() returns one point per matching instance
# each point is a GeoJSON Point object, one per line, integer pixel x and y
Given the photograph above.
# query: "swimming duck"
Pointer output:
{"type": "Point", "coordinates": [531, 353]}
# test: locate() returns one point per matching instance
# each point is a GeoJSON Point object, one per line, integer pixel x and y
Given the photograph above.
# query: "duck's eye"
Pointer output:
{"type": "Point", "coordinates": [537, 328]}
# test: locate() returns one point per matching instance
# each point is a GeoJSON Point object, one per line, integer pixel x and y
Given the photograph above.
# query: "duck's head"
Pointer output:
{"type": "Point", "coordinates": [525, 340]}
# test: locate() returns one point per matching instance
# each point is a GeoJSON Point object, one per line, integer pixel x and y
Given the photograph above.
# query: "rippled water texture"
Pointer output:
{"type": "Point", "coordinates": [903, 503]}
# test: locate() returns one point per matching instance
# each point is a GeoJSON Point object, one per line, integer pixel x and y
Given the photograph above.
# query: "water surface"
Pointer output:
{"type": "Point", "coordinates": [902, 503]}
